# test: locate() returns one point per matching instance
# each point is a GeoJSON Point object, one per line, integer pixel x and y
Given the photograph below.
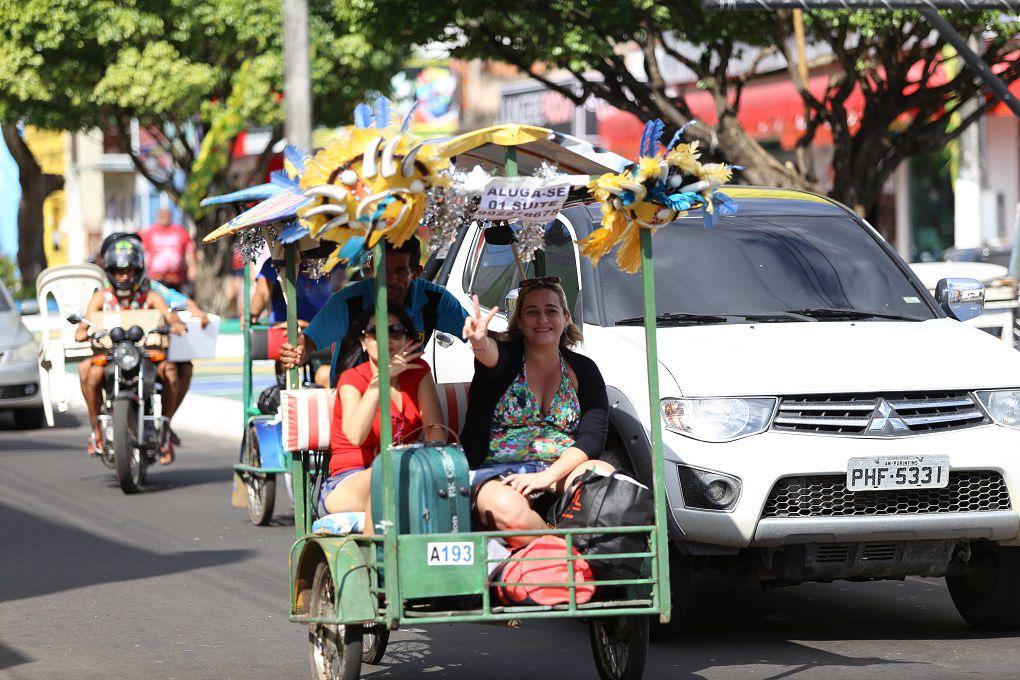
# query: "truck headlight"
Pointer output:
{"type": "Point", "coordinates": [127, 356]}
{"type": "Point", "coordinates": [24, 353]}
{"type": "Point", "coordinates": [718, 420]}
{"type": "Point", "coordinates": [1002, 406]}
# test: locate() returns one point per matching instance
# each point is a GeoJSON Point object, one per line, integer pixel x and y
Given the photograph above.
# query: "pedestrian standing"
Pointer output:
{"type": "Point", "coordinates": [170, 253]}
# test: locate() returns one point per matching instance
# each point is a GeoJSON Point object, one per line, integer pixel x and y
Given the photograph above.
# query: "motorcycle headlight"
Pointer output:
{"type": "Point", "coordinates": [24, 353]}
{"type": "Point", "coordinates": [718, 420]}
{"type": "Point", "coordinates": [126, 356]}
{"type": "Point", "coordinates": [1002, 406]}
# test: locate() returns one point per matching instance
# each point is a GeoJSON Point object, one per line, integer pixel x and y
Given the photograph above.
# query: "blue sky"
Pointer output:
{"type": "Point", "coordinates": [10, 194]}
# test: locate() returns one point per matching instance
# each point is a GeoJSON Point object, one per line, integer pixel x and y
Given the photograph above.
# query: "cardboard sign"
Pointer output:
{"type": "Point", "coordinates": [525, 199]}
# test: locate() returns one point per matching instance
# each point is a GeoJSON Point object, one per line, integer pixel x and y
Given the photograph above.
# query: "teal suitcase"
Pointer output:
{"type": "Point", "coordinates": [432, 488]}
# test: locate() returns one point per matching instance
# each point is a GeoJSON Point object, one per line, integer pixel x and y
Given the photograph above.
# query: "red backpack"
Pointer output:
{"type": "Point", "coordinates": [552, 567]}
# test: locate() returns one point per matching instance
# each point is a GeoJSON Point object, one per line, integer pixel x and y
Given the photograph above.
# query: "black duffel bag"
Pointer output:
{"type": "Point", "coordinates": [595, 501]}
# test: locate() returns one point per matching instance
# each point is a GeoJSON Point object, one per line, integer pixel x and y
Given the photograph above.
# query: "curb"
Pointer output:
{"type": "Point", "coordinates": [199, 413]}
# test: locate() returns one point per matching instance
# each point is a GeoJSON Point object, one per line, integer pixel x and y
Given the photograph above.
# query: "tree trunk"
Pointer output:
{"type": "Point", "coordinates": [36, 186]}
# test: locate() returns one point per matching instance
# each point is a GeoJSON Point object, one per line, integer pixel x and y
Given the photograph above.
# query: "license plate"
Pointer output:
{"type": "Point", "coordinates": [450, 553]}
{"type": "Point", "coordinates": [897, 472]}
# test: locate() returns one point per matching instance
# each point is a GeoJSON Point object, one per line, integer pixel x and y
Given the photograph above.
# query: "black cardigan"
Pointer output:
{"type": "Point", "coordinates": [490, 384]}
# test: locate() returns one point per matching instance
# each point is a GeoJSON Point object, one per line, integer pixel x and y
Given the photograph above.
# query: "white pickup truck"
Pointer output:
{"type": "Point", "coordinates": [825, 418]}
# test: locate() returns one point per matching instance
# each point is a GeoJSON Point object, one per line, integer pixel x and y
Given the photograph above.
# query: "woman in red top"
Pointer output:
{"type": "Point", "coordinates": [354, 440]}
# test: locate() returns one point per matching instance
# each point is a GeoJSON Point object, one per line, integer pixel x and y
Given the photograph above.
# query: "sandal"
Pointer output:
{"type": "Point", "coordinates": [166, 454]}
{"type": "Point", "coordinates": [95, 445]}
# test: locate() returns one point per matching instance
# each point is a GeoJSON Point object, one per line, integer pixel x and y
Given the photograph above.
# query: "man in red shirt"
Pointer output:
{"type": "Point", "coordinates": [170, 253]}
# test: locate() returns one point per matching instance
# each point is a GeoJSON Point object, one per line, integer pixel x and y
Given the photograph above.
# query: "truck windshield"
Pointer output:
{"type": "Point", "coordinates": [766, 269]}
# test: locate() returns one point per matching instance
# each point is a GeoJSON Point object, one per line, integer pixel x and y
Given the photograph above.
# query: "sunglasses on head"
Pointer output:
{"type": "Point", "coordinates": [540, 281]}
{"type": "Point", "coordinates": [397, 331]}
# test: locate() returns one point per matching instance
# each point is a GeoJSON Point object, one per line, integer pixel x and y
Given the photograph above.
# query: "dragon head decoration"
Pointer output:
{"type": "Point", "coordinates": [370, 183]}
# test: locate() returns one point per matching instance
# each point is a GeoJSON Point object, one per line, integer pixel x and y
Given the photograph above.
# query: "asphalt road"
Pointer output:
{"type": "Point", "coordinates": [176, 583]}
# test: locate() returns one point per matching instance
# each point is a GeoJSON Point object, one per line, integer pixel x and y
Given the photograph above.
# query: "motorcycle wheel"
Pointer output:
{"type": "Point", "coordinates": [261, 488]}
{"type": "Point", "coordinates": [128, 459]}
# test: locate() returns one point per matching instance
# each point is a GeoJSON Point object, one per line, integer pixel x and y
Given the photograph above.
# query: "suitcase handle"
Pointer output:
{"type": "Point", "coordinates": [449, 430]}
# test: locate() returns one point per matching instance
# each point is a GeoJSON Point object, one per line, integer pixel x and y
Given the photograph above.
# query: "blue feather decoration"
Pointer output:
{"type": "Point", "coordinates": [352, 247]}
{"type": "Point", "coordinates": [406, 125]}
{"type": "Point", "coordinates": [651, 136]}
{"type": "Point", "coordinates": [363, 116]}
{"type": "Point", "coordinates": [281, 178]}
{"type": "Point", "coordinates": [292, 232]}
{"type": "Point", "coordinates": [679, 134]}
{"type": "Point", "coordinates": [724, 205]}
{"type": "Point", "coordinates": [383, 112]}
{"type": "Point", "coordinates": [295, 156]}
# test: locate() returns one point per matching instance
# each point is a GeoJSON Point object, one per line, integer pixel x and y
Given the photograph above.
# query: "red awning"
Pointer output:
{"type": "Point", "coordinates": [771, 109]}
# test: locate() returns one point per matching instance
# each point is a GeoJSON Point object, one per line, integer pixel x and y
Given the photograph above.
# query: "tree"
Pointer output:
{"type": "Point", "coordinates": [192, 73]}
{"type": "Point", "coordinates": [891, 58]}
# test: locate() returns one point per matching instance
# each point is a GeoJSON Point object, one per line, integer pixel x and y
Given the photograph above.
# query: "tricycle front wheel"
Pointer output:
{"type": "Point", "coordinates": [333, 650]}
{"type": "Point", "coordinates": [620, 646]}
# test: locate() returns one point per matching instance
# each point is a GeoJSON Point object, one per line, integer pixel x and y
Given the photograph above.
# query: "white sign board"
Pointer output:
{"type": "Point", "coordinates": [526, 199]}
{"type": "Point", "coordinates": [198, 343]}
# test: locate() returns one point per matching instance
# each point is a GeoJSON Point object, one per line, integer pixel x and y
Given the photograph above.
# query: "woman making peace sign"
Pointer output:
{"type": "Point", "coordinates": [537, 415]}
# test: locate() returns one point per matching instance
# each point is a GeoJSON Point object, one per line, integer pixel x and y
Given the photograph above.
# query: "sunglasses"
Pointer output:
{"type": "Point", "coordinates": [540, 281]}
{"type": "Point", "coordinates": [397, 331]}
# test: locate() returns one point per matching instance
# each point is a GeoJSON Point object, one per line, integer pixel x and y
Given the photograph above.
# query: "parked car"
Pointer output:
{"type": "Point", "coordinates": [19, 367]}
{"type": "Point", "coordinates": [991, 254]}
{"type": "Point", "coordinates": [825, 417]}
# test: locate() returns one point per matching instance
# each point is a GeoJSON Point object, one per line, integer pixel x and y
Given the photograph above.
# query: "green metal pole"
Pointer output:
{"type": "Point", "coordinates": [510, 162]}
{"type": "Point", "coordinates": [246, 368]}
{"type": "Point", "coordinates": [290, 291]}
{"type": "Point", "coordinates": [382, 339]}
{"type": "Point", "coordinates": [658, 466]}
{"type": "Point", "coordinates": [299, 461]}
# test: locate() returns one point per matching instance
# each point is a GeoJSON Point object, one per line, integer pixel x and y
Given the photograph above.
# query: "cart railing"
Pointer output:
{"type": "Point", "coordinates": [464, 593]}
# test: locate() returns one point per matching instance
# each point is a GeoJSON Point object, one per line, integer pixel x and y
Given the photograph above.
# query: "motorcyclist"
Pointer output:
{"type": "Point", "coordinates": [124, 263]}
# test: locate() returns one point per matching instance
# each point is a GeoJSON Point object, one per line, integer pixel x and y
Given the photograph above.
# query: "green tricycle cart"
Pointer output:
{"type": "Point", "coordinates": [352, 590]}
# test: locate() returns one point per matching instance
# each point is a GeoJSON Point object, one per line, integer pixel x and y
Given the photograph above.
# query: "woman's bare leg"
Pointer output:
{"type": "Point", "coordinates": [353, 495]}
{"type": "Point", "coordinates": [504, 509]}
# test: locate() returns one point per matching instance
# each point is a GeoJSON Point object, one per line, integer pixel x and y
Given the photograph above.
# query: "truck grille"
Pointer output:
{"type": "Point", "coordinates": [827, 496]}
{"type": "Point", "coordinates": [851, 414]}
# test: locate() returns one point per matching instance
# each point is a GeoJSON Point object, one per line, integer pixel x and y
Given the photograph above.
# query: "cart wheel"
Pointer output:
{"type": "Point", "coordinates": [373, 646]}
{"type": "Point", "coordinates": [620, 646]}
{"type": "Point", "coordinates": [261, 488]}
{"type": "Point", "coordinates": [334, 650]}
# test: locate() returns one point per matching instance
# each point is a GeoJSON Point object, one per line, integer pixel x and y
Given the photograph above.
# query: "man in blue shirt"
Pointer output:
{"type": "Point", "coordinates": [431, 307]}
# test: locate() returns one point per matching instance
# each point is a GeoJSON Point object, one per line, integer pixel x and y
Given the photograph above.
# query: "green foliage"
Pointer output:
{"type": "Point", "coordinates": [9, 274]}
{"type": "Point", "coordinates": [179, 66]}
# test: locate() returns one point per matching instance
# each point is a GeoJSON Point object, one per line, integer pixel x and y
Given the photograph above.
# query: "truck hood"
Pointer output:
{"type": "Point", "coordinates": [830, 357]}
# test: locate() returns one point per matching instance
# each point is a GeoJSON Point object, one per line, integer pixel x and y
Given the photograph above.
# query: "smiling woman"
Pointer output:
{"type": "Point", "coordinates": [537, 417]}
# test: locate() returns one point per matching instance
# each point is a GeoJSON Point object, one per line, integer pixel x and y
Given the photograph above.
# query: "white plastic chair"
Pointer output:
{"type": "Point", "coordinates": [71, 286]}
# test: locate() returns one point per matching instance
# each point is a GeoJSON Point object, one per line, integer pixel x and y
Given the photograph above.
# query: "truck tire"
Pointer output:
{"type": "Point", "coordinates": [680, 576]}
{"type": "Point", "coordinates": [986, 588]}
{"type": "Point", "coordinates": [29, 418]}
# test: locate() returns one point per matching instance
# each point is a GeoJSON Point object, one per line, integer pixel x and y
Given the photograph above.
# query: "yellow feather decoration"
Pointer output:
{"type": "Point", "coordinates": [684, 157]}
{"type": "Point", "coordinates": [598, 244]}
{"type": "Point", "coordinates": [628, 257]}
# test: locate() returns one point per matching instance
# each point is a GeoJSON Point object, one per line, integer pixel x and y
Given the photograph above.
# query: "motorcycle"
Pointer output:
{"type": "Point", "coordinates": [131, 413]}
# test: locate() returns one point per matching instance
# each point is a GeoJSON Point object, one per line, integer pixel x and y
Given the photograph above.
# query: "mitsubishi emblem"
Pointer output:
{"type": "Point", "coordinates": [885, 420]}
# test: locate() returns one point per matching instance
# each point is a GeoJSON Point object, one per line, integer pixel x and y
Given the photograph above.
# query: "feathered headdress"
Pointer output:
{"type": "Point", "coordinates": [664, 184]}
{"type": "Point", "coordinates": [369, 183]}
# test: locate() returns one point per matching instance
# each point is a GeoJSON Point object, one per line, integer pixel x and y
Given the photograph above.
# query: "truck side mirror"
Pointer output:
{"type": "Point", "coordinates": [510, 302]}
{"type": "Point", "coordinates": [961, 299]}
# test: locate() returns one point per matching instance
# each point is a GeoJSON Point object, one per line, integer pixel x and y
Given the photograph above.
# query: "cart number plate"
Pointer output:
{"type": "Point", "coordinates": [897, 472]}
{"type": "Point", "coordinates": [451, 554]}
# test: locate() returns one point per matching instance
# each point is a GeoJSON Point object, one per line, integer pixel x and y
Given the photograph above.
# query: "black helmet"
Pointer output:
{"type": "Point", "coordinates": [124, 252]}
